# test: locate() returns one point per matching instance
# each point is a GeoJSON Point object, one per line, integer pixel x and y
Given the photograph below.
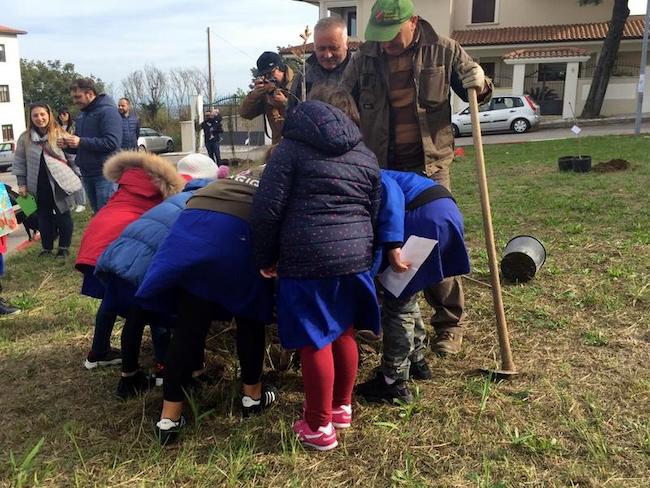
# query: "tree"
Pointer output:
{"type": "Point", "coordinates": [49, 82]}
{"type": "Point", "coordinates": [133, 86]}
{"type": "Point", "coordinates": [155, 82]}
{"type": "Point", "coordinates": [607, 57]}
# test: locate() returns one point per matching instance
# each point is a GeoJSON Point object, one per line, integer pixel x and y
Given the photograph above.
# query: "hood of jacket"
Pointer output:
{"type": "Point", "coordinates": [101, 100]}
{"type": "Point", "coordinates": [144, 174]}
{"type": "Point", "coordinates": [322, 126]}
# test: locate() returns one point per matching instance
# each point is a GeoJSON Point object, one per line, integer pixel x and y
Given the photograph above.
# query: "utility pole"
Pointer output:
{"type": "Point", "coordinates": [210, 71]}
{"type": "Point", "coordinates": [642, 80]}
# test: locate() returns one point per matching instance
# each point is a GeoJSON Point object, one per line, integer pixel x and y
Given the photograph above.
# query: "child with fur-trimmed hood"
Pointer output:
{"type": "Point", "coordinates": [144, 180]}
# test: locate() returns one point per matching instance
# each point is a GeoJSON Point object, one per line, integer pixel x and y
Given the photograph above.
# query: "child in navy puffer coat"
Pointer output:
{"type": "Point", "coordinates": [312, 226]}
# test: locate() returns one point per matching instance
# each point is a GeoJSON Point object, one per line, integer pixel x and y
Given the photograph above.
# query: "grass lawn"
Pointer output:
{"type": "Point", "coordinates": [578, 415]}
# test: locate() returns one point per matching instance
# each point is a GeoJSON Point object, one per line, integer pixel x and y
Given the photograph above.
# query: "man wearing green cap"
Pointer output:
{"type": "Point", "coordinates": [402, 78]}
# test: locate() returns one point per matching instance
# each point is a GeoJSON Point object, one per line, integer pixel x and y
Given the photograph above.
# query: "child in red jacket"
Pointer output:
{"type": "Point", "coordinates": [144, 180]}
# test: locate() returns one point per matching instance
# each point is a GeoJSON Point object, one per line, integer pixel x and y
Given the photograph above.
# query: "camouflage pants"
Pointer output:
{"type": "Point", "coordinates": [403, 335]}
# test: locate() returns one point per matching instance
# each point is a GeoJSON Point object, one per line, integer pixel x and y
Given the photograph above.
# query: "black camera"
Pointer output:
{"type": "Point", "coordinates": [267, 79]}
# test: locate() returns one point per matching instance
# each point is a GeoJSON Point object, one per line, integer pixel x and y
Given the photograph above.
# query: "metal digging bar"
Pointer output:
{"type": "Point", "coordinates": [507, 365]}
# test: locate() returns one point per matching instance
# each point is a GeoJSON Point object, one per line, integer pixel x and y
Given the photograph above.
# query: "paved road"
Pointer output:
{"type": "Point", "coordinates": [550, 134]}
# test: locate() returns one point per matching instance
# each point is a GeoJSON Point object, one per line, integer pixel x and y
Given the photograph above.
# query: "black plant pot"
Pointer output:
{"type": "Point", "coordinates": [579, 164]}
{"type": "Point", "coordinates": [582, 164]}
{"type": "Point", "coordinates": [565, 163]}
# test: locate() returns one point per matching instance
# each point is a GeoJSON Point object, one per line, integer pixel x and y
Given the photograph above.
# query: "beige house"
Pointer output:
{"type": "Point", "coordinates": [548, 48]}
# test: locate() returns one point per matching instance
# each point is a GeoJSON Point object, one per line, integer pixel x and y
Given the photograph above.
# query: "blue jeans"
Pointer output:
{"type": "Point", "coordinates": [213, 150]}
{"type": "Point", "coordinates": [98, 190]}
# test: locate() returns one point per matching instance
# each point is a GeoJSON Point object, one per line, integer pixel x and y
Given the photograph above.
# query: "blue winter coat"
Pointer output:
{"type": "Point", "coordinates": [399, 188]}
{"type": "Point", "coordinates": [130, 131]}
{"type": "Point", "coordinates": [318, 197]}
{"type": "Point", "coordinates": [129, 256]}
{"type": "Point", "coordinates": [99, 125]}
{"type": "Point", "coordinates": [438, 219]}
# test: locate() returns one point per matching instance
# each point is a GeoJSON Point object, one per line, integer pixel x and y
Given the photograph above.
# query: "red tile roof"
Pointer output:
{"type": "Point", "coordinates": [523, 35]}
{"type": "Point", "coordinates": [8, 30]}
{"type": "Point", "coordinates": [562, 52]}
{"type": "Point", "coordinates": [546, 33]}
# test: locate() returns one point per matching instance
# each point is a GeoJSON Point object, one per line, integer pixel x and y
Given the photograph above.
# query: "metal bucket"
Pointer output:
{"type": "Point", "coordinates": [522, 258]}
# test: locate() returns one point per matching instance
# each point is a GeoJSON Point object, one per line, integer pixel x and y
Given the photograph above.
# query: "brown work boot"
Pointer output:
{"type": "Point", "coordinates": [448, 341]}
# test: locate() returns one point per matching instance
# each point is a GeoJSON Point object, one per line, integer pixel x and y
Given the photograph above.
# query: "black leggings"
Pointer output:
{"type": "Point", "coordinates": [131, 338]}
{"type": "Point", "coordinates": [188, 341]}
{"type": "Point", "coordinates": [50, 220]}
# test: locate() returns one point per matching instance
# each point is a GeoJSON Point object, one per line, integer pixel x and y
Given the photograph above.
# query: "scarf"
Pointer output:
{"type": "Point", "coordinates": [57, 165]}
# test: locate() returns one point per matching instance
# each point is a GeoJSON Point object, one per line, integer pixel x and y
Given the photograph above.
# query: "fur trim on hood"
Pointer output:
{"type": "Point", "coordinates": [163, 174]}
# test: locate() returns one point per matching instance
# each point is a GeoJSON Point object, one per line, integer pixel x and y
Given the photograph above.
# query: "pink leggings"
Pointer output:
{"type": "Point", "coordinates": [328, 376]}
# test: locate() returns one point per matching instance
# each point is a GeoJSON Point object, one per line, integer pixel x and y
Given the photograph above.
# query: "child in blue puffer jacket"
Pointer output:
{"type": "Point", "coordinates": [122, 267]}
{"type": "Point", "coordinates": [312, 226]}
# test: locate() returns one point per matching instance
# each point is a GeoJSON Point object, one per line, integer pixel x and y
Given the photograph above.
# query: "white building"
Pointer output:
{"type": "Point", "coordinates": [12, 111]}
{"type": "Point", "coordinates": [528, 46]}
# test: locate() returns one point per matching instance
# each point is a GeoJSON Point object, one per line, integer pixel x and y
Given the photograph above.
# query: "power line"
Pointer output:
{"type": "Point", "coordinates": [233, 46]}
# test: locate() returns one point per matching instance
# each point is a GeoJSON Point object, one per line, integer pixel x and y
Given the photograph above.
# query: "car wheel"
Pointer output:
{"type": "Point", "coordinates": [454, 128]}
{"type": "Point", "coordinates": [170, 146]}
{"type": "Point", "coordinates": [520, 126]}
{"type": "Point", "coordinates": [142, 148]}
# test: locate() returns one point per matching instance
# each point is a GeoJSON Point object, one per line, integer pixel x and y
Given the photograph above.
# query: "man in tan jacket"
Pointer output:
{"type": "Point", "coordinates": [270, 92]}
{"type": "Point", "coordinates": [402, 79]}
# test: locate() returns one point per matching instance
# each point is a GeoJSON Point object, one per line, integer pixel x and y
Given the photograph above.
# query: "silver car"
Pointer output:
{"type": "Point", "coordinates": [6, 156]}
{"type": "Point", "coordinates": [510, 113]}
{"type": "Point", "coordinates": [153, 141]}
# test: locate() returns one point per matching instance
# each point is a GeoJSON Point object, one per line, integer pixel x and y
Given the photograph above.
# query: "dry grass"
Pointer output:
{"type": "Point", "coordinates": [576, 416]}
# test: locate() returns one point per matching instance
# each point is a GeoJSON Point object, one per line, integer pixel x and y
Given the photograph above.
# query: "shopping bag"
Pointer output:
{"type": "Point", "coordinates": [8, 220]}
{"type": "Point", "coordinates": [27, 204]}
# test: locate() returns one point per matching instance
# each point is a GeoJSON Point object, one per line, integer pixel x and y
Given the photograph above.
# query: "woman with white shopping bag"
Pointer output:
{"type": "Point", "coordinates": [43, 170]}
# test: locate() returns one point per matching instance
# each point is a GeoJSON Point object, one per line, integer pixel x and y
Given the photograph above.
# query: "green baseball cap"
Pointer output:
{"type": "Point", "coordinates": [386, 19]}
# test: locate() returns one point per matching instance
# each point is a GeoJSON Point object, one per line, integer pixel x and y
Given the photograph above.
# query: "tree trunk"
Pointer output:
{"type": "Point", "coordinates": [606, 60]}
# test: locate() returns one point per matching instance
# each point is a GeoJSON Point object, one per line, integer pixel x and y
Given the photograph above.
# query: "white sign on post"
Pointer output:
{"type": "Point", "coordinates": [576, 130]}
{"type": "Point", "coordinates": [641, 86]}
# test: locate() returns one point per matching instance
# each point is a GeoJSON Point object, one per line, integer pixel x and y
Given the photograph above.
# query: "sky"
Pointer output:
{"type": "Point", "coordinates": [110, 39]}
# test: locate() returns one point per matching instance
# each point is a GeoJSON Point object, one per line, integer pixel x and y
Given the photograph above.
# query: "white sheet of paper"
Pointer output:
{"type": "Point", "coordinates": [415, 250]}
{"type": "Point", "coordinates": [576, 130]}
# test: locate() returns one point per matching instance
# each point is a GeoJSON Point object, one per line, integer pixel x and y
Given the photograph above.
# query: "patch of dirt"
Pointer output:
{"type": "Point", "coordinates": [611, 165]}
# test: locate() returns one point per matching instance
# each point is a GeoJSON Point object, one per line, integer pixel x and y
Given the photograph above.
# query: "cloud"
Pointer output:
{"type": "Point", "coordinates": [111, 39]}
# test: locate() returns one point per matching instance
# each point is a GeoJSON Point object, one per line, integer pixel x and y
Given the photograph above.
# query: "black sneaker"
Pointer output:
{"type": "Point", "coordinates": [132, 386]}
{"type": "Point", "coordinates": [249, 406]}
{"type": "Point", "coordinates": [420, 370]}
{"type": "Point", "coordinates": [45, 253]}
{"type": "Point", "coordinates": [7, 309]}
{"type": "Point", "coordinates": [377, 390]}
{"type": "Point", "coordinates": [62, 252]}
{"type": "Point", "coordinates": [167, 430]}
{"type": "Point", "coordinates": [112, 358]}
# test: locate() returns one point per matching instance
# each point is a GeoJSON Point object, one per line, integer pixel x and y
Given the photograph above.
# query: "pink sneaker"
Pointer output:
{"type": "Point", "coordinates": [342, 416]}
{"type": "Point", "coordinates": [322, 439]}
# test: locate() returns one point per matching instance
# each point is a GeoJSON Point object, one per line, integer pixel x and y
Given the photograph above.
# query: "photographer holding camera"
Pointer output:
{"type": "Point", "coordinates": [270, 93]}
